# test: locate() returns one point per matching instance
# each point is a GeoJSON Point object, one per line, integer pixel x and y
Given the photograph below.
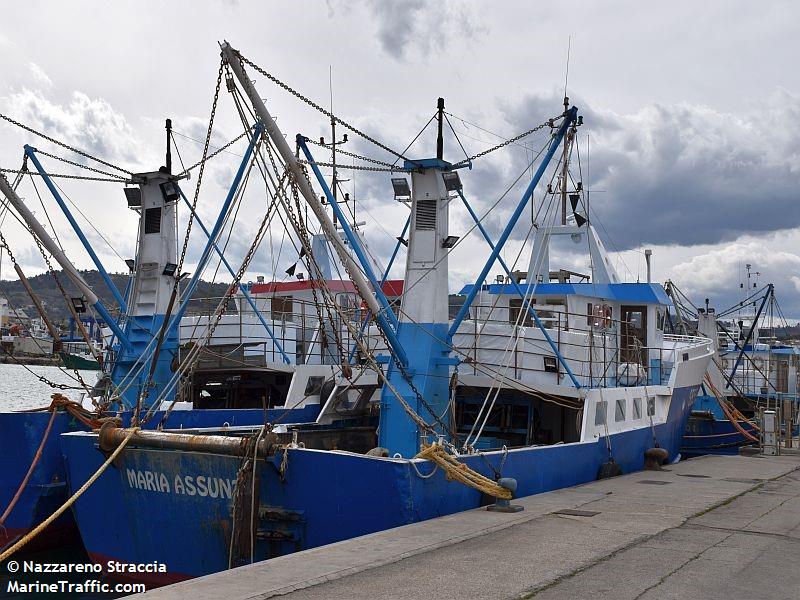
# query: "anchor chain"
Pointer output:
{"type": "Point", "coordinates": [354, 167]}
{"type": "Point", "coordinates": [63, 176]}
{"type": "Point", "coordinates": [302, 234]}
{"type": "Point", "coordinates": [353, 155]}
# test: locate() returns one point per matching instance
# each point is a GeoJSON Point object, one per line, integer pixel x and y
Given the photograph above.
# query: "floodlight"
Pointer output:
{"type": "Point", "coordinates": [452, 182]}
{"type": "Point", "coordinates": [449, 241]}
{"type": "Point", "coordinates": [134, 196]}
{"type": "Point", "coordinates": [79, 304]}
{"type": "Point", "coordinates": [170, 191]}
{"type": "Point", "coordinates": [401, 188]}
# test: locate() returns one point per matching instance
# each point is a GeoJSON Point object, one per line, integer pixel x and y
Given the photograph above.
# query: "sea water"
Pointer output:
{"type": "Point", "coordinates": [21, 387]}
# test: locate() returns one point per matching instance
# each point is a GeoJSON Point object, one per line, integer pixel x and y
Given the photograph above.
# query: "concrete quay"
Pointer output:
{"type": "Point", "coordinates": [712, 527]}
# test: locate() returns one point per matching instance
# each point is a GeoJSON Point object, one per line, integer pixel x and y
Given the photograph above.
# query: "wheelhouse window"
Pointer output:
{"type": "Point", "coordinates": [515, 305]}
{"type": "Point", "coordinates": [282, 307]}
{"type": "Point", "coordinates": [619, 410]}
{"type": "Point", "coordinates": [599, 316]}
{"type": "Point", "coordinates": [637, 408]}
{"type": "Point", "coordinates": [557, 316]}
{"type": "Point", "coordinates": [600, 412]}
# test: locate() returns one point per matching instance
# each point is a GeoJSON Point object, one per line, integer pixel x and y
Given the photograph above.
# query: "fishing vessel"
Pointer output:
{"type": "Point", "coordinates": [751, 371]}
{"type": "Point", "coordinates": [545, 379]}
{"type": "Point", "coordinates": [249, 357]}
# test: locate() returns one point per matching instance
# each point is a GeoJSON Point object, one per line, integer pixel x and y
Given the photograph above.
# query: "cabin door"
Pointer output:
{"type": "Point", "coordinates": [782, 383]}
{"type": "Point", "coordinates": [633, 334]}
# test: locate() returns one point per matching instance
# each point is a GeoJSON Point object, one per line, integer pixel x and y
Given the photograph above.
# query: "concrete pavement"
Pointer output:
{"type": "Point", "coordinates": [714, 527]}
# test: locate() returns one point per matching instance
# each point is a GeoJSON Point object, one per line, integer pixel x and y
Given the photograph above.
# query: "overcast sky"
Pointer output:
{"type": "Point", "coordinates": [692, 110]}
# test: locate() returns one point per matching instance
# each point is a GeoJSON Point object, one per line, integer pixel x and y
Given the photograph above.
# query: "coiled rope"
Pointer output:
{"type": "Point", "coordinates": [460, 472]}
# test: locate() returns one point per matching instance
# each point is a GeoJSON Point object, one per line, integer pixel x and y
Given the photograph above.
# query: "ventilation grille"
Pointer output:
{"type": "Point", "coordinates": [426, 214]}
{"type": "Point", "coordinates": [152, 220]}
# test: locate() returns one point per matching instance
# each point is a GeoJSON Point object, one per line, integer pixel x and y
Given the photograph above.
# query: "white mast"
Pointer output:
{"type": "Point", "coordinates": [361, 283]}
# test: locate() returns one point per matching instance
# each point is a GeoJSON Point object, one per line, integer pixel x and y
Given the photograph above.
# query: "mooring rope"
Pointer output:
{"type": "Point", "coordinates": [460, 472]}
{"type": "Point", "coordinates": [44, 524]}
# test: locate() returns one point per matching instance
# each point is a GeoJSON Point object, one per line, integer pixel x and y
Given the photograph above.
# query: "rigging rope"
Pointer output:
{"type": "Point", "coordinates": [466, 161]}
{"type": "Point", "coordinates": [731, 412]}
{"type": "Point", "coordinates": [217, 151]}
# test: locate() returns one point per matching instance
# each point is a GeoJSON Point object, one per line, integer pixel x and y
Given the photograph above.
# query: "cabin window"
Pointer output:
{"type": "Point", "coordinates": [550, 364]}
{"type": "Point", "coordinates": [637, 408]}
{"type": "Point", "coordinates": [314, 386]}
{"type": "Point", "coordinates": [553, 318]}
{"type": "Point", "coordinates": [282, 307]}
{"type": "Point", "coordinates": [515, 305]}
{"type": "Point", "coordinates": [651, 407]}
{"type": "Point", "coordinates": [660, 318]}
{"type": "Point", "coordinates": [619, 410]}
{"type": "Point", "coordinates": [599, 315]}
{"type": "Point", "coordinates": [600, 412]}
{"type": "Point", "coordinates": [347, 303]}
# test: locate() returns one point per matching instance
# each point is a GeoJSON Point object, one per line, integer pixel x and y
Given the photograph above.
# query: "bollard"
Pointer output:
{"type": "Point", "coordinates": [505, 506]}
{"type": "Point", "coordinates": [654, 458]}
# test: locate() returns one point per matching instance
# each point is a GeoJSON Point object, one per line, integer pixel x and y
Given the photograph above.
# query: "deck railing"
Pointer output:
{"type": "Point", "coordinates": [595, 348]}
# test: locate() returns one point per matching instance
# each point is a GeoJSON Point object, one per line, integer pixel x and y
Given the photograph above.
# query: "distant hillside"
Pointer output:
{"type": "Point", "coordinates": [45, 287]}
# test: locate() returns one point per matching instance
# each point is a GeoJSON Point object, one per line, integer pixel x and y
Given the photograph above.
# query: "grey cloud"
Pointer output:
{"type": "Point", "coordinates": [679, 174]}
{"type": "Point", "coordinates": [716, 273]}
{"type": "Point", "coordinates": [90, 124]}
{"type": "Point", "coordinates": [416, 27]}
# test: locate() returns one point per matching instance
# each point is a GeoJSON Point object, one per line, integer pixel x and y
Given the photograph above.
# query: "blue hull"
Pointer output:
{"type": "Point", "coordinates": [709, 435]}
{"type": "Point", "coordinates": [47, 488]}
{"type": "Point", "coordinates": [175, 507]}
{"type": "Point", "coordinates": [708, 430]}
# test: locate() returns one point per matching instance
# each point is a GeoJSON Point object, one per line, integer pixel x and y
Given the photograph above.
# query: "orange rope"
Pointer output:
{"type": "Point", "coordinates": [731, 412]}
